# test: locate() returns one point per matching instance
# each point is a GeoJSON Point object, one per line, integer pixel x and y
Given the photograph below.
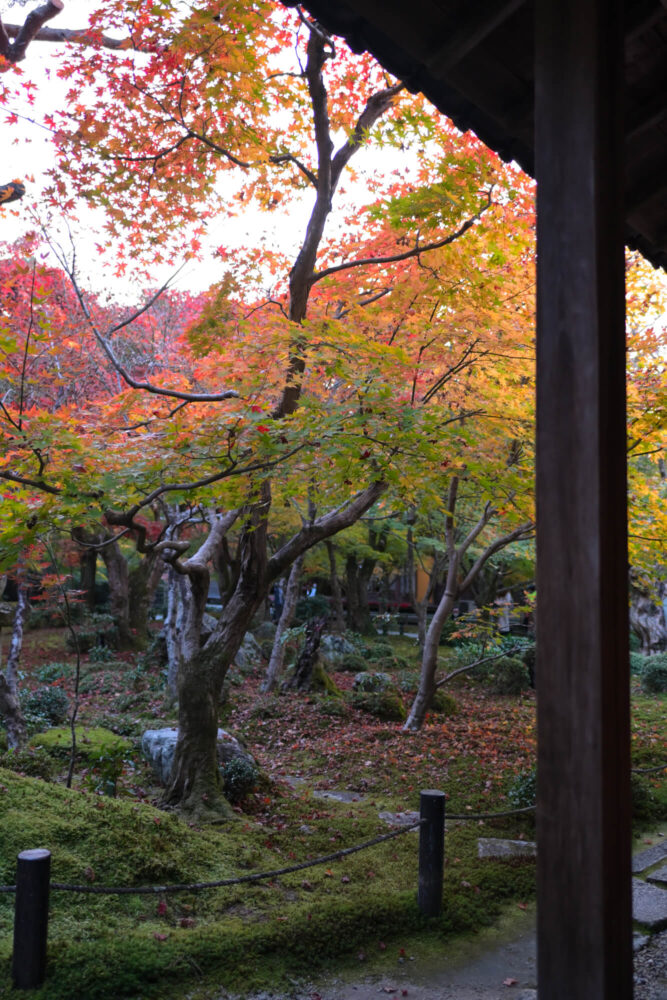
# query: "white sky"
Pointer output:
{"type": "Point", "coordinates": [29, 154]}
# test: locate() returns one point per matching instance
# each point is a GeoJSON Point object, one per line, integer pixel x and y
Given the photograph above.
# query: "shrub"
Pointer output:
{"type": "Point", "coordinates": [316, 606]}
{"type": "Point", "coordinates": [335, 707]}
{"type": "Point", "coordinates": [96, 630]}
{"type": "Point", "coordinates": [443, 704]}
{"type": "Point", "coordinates": [637, 663]}
{"type": "Point", "coordinates": [510, 676]}
{"type": "Point", "coordinates": [101, 654]}
{"type": "Point", "coordinates": [352, 663]}
{"type": "Point", "coordinates": [48, 703]}
{"type": "Point", "coordinates": [654, 674]}
{"type": "Point", "coordinates": [239, 777]}
{"type": "Point", "coordinates": [528, 656]}
{"type": "Point", "coordinates": [377, 651]}
{"type": "Point", "coordinates": [51, 672]}
{"type": "Point", "coordinates": [644, 805]}
{"type": "Point", "coordinates": [523, 790]}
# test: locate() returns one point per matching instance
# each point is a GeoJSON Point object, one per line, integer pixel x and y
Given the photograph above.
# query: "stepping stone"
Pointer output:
{"type": "Point", "coordinates": [659, 877]}
{"type": "Point", "coordinates": [645, 859]}
{"type": "Point", "coordinates": [339, 796]}
{"type": "Point", "coordinates": [639, 940]}
{"type": "Point", "coordinates": [649, 905]}
{"type": "Point", "coordinates": [400, 819]}
{"type": "Point", "coordinates": [492, 847]}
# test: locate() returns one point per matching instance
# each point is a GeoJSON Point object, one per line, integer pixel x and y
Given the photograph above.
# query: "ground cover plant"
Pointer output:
{"type": "Point", "coordinates": [106, 831]}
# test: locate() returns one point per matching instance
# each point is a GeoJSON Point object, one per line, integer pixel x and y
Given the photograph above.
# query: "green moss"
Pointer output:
{"type": "Point", "coordinates": [443, 704]}
{"type": "Point", "coordinates": [385, 705]}
{"type": "Point", "coordinates": [91, 743]}
{"type": "Point", "coordinates": [321, 681]}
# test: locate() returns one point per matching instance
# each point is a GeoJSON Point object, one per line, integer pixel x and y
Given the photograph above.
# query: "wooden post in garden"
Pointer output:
{"type": "Point", "coordinates": [31, 918]}
{"type": "Point", "coordinates": [431, 852]}
{"type": "Point", "coordinates": [583, 814]}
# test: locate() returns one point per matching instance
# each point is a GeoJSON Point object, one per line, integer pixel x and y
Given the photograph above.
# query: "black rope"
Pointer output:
{"type": "Point", "coordinates": [649, 770]}
{"type": "Point", "coordinates": [149, 890]}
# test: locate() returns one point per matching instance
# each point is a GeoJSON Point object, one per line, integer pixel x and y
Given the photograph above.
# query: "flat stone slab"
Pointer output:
{"type": "Point", "coordinates": [492, 847]}
{"type": "Point", "coordinates": [645, 859]}
{"type": "Point", "coordinates": [400, 818]}
{"type": "Point", "coordinates": [649, 905]}
{"type": "Point", "coordinates": [338, 796]}
{"type": "Point", "coordinates": [659, 877]}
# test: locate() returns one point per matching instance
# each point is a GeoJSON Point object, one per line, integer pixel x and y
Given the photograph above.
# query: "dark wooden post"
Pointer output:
{"type": "Point", "coordinates": [31, 918]}
{"type": "Point", "coordinates": [431, 852]}
{"type": "Point", "coordinates": [584, 899]}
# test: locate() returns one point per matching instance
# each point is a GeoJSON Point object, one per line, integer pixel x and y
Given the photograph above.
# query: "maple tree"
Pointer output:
{"type": "Point", "coordinates": [400, 344]}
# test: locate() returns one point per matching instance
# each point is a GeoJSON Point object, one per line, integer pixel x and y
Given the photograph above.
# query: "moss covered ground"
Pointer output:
{"type": "Point", "coordinates": [263, 935]}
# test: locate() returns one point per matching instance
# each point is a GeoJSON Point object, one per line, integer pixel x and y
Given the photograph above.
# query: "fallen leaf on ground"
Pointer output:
{"type": "Point", "coordinates": [510, 982]}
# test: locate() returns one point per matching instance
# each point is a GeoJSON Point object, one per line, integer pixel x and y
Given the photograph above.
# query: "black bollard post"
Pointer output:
{"type": "Point", "coordinates": [431, 852]}
{"type": "Point", "coordinates": [31, 918]}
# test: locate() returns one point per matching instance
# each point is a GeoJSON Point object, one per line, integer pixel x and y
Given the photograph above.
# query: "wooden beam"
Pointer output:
{"type": "Point", "coordinates": [469, 34]}
{"type": "Point", "coordinates": [584, 900]}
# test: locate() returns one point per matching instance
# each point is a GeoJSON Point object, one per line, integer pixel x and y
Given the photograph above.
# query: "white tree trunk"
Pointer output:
{"type": "Point", "coordinates": [10, 707]}
{"type": "Point", "coordinates": [277, 659]}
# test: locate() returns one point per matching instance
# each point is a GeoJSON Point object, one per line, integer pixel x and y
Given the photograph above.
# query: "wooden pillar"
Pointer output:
{"type": "Point", "coordinates": [584, 898]}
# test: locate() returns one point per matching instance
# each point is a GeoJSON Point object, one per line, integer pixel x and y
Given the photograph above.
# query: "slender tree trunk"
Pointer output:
{"type": "Point", "coordinates": [338, 620]}
{"type": "Point", "coordinates": [10, 707]}
{"type": "Point", "coordinates": [427, 685]}
{"type": "Point", "coordinates": [277, 659]}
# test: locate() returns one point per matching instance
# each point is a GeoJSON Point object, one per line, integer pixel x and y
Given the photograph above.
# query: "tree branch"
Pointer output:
{"type": "Point", "coordinates": [406, 254]}
{"type": "Point", "coordinates": [15, 52]}
{"type": "Point", "coordinates": [324, 527]}
{"type": "Point", "coordinates": [523, 531]}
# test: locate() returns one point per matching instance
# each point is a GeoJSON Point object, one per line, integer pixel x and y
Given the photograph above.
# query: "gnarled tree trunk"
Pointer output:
{"type": "Point", "coordinates": [647, 618]}
{"type": "Point", "coordinates": [338, 617]}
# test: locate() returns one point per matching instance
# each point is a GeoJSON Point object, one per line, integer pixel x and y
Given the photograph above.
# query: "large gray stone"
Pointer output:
{"type": "Point", "coordinates": [659, 876]}
{"type": "Point", "coordinates": [334, 648]}
{"type": "Point", "coordinates": [645, 859]}
{"type": "Point", "coordinates": [400, 818]}
{"type": "Point", "coordinates": [369, 680]}
{"type": "Point", "coordinates": [249, 654]}
{"type": "Point", "coordinates": [159, 745]}
{"type": "Point", "coordinates": [265, 631]}
{"type": "Point", "coordinates": [649, 905]}
{"type": "Point", "coordinates": [492, 847]}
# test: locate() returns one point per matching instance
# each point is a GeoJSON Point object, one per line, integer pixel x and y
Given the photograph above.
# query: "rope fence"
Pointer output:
{"type": "Point", "coordinates": [33, 880]}
{"type": "Point", "coordinates": [33, 883]}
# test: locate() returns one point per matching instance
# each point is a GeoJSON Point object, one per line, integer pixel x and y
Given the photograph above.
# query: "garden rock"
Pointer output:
{"type": "Point", "coordinates": [366, 680]}
{"type": "Point", "coordinates": [649, 905]}
{"type": "Point", "coordinates": [249, 654]}
{"type": "Point", "coordinates": [492, 847]}
{"type": "Point", "coordinates": [159, 745]}
{"type": "Point", "coordinates": [334, 649]}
